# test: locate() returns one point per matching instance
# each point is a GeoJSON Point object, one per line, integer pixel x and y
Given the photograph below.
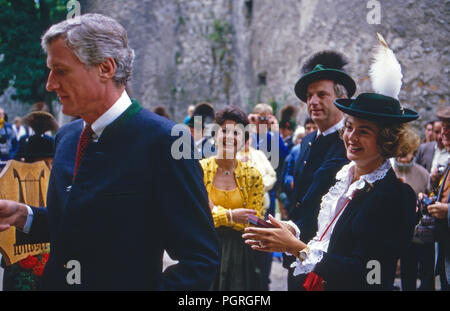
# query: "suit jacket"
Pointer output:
{"type": "Point", "coordinates": [129, 202]}
{"type": "Point", "coordinates": [378, 224]}
{"type": "Point", "coordinates": [314, 174]}
{"type": "Point", "coordinates": [425, 155]}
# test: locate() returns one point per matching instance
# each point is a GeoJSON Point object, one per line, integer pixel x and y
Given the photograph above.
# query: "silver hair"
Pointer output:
{"type": "Point", "coordinates": [93, 38]}
{"type": "Point", "coordinates": [340, 90]}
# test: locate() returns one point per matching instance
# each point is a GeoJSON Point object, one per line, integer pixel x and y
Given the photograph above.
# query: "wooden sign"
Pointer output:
{"type": "Point", "coordinates": [25, 183]}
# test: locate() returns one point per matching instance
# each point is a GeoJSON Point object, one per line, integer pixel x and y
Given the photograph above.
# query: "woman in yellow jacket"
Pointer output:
{"type": "Point", "coordinates": [235, 190]}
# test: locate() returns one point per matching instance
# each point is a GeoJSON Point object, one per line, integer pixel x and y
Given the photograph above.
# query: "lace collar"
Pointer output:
{"type": "Point", "coordinates": [345, 176]}
{"type": "Point", "coordinates": [343, 188]}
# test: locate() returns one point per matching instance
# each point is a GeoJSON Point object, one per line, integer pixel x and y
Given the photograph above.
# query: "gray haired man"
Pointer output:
{"type": "Point", "coordinates": [117, 199]}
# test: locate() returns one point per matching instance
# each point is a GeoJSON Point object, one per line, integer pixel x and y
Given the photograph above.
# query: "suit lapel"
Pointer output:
{"type": "Point", "coordinates": [304, 153]}
{"type": "Point", "coordinates": [322, 144]}
{"type": "Point", "coordinates": [95, 160]}
{"type": "Point", "coordinates": [429, 155]}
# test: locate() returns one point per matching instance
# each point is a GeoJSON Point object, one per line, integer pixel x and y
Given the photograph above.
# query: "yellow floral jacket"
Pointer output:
{"type": "Point", "coordinates": [251, 187]}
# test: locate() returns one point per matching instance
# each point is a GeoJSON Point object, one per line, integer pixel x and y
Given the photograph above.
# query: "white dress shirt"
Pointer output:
{"type": "Point", "coordinates": [332, 129]}
{"type": "Point", "coordinates": [440, 158]}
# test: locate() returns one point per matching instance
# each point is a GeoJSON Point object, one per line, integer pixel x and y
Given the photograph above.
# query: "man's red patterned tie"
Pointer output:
{"type": "Point", "coordinates": [85, 138]}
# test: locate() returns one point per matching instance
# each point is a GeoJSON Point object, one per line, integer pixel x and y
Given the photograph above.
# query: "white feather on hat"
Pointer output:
{"type": "Point", "coordinates": [385, 71]}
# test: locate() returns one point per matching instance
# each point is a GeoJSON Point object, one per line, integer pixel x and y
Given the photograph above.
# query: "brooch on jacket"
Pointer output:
{"type": "Point", "coordinates": [366, 189]}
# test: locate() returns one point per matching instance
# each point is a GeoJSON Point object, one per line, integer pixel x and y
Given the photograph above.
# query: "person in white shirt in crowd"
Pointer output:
{"type": "Point", "coordinates": [258, 160]}
{"type": "Point", "coordinates": [433, 155]}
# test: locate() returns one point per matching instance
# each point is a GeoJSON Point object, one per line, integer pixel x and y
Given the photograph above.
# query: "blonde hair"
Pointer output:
{"type": "Point", "coordinates": [263, 108]}
{"type": "Point", "coordinates": [397, 140]}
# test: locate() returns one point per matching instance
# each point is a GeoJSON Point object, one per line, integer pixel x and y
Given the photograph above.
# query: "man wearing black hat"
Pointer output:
{"type": "Point", "coordinates": [440, 208]}
{"type": "Point", "coordinates": [322, 152]}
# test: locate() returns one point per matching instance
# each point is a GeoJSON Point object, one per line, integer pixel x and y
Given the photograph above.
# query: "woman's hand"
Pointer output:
{"type": "Point", "coordinates": [278, 239]}
{"type": "Point", "coordinates": [240, 215]}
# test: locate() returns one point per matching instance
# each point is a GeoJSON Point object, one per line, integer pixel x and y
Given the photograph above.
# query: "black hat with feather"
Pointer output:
{"type": "Point", "coordinates": [382, 106]}
{"type": "Point", "coordinates": [325, 65]}
{"type": "Point", "coordinates": [288, 116]}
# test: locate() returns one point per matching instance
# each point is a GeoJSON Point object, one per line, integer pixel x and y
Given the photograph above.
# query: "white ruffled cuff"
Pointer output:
{"type": "Point", "coordinates": [294, 226]}
{"type": "Point", "coordinates": [306, 266]}
{"type": "Point", "coordinates": [297, 232]}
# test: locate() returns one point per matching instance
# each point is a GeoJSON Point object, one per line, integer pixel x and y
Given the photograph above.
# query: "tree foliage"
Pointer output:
{"type": "Point", "coordinates": [22, 61]}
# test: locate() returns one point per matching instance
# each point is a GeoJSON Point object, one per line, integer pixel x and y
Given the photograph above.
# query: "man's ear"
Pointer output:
{"type": "Point", "coordinates": [107, 69]}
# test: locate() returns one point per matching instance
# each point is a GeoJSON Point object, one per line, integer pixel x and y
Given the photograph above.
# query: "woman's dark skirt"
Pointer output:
{"type": "Point", "coordinates": [238, 271]}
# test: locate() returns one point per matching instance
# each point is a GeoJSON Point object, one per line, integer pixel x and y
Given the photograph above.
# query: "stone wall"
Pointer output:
{"type": "Point", "coordinates": [246, 51]}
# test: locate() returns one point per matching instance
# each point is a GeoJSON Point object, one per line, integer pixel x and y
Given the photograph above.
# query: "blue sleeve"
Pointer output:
{"type": "Point", "coordinates": [39, 231]}
{"type": "Point", "coordinates": [290, 164]}
{"type": "Point", "coordinates": [284, 150]}
{"type": "Point", "coordinates": [189, 235]}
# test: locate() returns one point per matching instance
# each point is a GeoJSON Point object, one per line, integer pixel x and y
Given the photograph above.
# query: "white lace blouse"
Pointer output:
{"type": "Point", "coordinates": [331, 204]}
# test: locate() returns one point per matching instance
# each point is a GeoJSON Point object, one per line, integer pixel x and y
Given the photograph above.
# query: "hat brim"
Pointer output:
{"type": "Point", "coordinates": [344, 104]}
{"type": "Point", "coordinates": [338, 76]}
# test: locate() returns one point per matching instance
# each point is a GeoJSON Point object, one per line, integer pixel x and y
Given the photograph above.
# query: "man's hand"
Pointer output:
{"type": "Point", "coordinates": [12, 214]}
{"type": "Point", "coordinates": [438, 210]}
{"type": "Point", "coordinates": [273, 123]}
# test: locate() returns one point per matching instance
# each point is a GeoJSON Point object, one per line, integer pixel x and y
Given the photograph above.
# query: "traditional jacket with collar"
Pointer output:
{"type": "Point", "coordinates": [370, 235]}
{"type": "Point", "coordinates": [129, 201]}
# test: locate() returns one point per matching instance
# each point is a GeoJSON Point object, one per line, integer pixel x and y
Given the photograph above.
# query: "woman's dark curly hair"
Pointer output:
{"type": "Point", "coordinates": [233, 113]}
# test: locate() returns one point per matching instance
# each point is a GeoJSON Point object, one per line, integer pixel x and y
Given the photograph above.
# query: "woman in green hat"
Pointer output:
{"type": "Point", "coordinates": [367, 218]}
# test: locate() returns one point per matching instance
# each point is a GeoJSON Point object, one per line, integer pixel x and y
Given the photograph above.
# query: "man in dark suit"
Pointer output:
{"type": "Point", "coordinates": [117, 199]}
{"type": "Point", "coordinates": [322, 152]}
{"type": "Point", "coordinates": [431, 152]}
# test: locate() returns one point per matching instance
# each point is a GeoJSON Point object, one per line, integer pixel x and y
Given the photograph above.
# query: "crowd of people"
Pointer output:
{"type": "Point", "coordinates": [29, 138]}
{"type": "Point", "coordinates": [352, 185]}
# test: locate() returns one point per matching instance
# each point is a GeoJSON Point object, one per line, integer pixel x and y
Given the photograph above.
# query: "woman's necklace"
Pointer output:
{"type": "Point", "coordinates": [227, 172]}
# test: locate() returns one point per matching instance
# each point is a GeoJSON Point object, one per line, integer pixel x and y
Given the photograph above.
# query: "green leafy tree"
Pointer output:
{"type": "Point", "coordinates": [22, 61]}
